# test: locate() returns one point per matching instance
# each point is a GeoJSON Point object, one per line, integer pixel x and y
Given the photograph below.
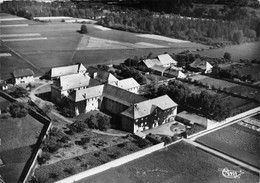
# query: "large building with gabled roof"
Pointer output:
{"type": "Point", "coordinates": [57, 72]}
{"type": "Point", "coordinates": [129, 84]}
{"type": "Point", "coordinates": [68, 83]}
{"type": "Point", "coordinates": [148, 114]}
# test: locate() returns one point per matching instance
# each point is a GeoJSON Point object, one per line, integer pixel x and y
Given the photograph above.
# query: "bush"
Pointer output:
{"type": "Point", "coordinates": [83, 141]}
{"type": "Point", "coordinates": [114, 155]}
{"type": "Point", "coordinates": [53, 175]}
{"type": "Point", "coordinates": [97, 154]}
{"type": "Point", "coordinates": [70, 170]}
{"type": "Point", "coordinates": [227, 56]}
{"type": "Point", "coordinates": [166, 139]}
{"type": "Point", "coordinates": [19, 92]}
{"type": "Point", "coordinates": [56, 132]}
{"type": "Point", "coordinates": [50, 145]}
{"type": "Point", "coordinates": [45, 156]}
{"type": "Point", "coordinates": [78, 126]}
{"type": "Point", "coordinates": [18, 110]}
{"type": "Point", "coordinates": [65, 139]}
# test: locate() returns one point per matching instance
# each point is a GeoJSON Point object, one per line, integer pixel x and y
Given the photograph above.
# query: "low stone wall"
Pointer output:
{"type": "Point", "coordinates": [111, 164]}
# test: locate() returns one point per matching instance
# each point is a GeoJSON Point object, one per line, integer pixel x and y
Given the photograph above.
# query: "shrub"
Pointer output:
{"type": "Point", "coordinates": [50, 145]}
{"type": "Point", "coordinates": [103, 122]}
{"type": "Point", "coordinates": [83, 141]}
{"type": "Point", "coordinates": [78, 126]}
{"type": "Point", "coordinates": [56, 132]}
{"type": "Point", "coordinates": [121, 145]}
{"type": "Point", "coordinates": [45, 156]}
{"type": "Point", "coordinates": [18, 110]}
{"type": "Point", "coordinates": [114, 155]}
{"type": "Point", "coordinates": [166, 139]}
{"type": "Point", "coordinates": [53, 175]}
{"type": "Point", "coordinates": [142, 143]}
{"type": "Point", "coordinates": [97, 154]}
{"type": "Point", "coordinates": [65, 139]}
{"type": "Point", "coordinates": [70, 170]}
{"type": "Point", "coordinates": [19, 92]}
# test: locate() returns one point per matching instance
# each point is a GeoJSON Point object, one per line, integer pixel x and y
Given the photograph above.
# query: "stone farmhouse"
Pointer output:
{"type": "Point", "coordinates": [164, 60]}
{"type": "Point", "coordinates": [22, 76]}
{"type": "Point", "coordinates": [129, 84]}
{"type": "Point", "coordinates": [201, 66]}
{"type": "Point", "coordinates": [148, 114]}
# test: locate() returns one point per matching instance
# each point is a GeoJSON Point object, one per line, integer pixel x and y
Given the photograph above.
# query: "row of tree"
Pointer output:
{"type": "Point", "coordinates": [235, 24]}
{"type": "Point", "coordinates": [209, 105]}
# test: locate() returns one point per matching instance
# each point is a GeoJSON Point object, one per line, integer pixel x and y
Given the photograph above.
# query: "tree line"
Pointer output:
{"type": "Point", "coordinates": [230, 24]}
{"type": "Point", "coordinates": [209, 105]}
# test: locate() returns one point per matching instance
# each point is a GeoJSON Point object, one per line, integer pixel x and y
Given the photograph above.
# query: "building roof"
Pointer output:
{"type": "Point", "coordinates": [87, 93]}
{"type": "Point", "coordinates": [201, 64]}
{"type": "Point", "coordinates": [147, 107]}
{"type": "Point", "coordinates": [67, 70]}
{"type": "Point", "coordinates": [158, 68]}
{"type": "Point", "coordinates": [74, 81]}
{"type": "Point", "coordinates": [126, 83]}
{"type": "Point", "coordinates": [91, 70]}
{"type": "Point", "coordinates": [22, 73]}
{"type": "Point", "coordinates": [151, 62]}
{"type": "Point", "coordinates": [177, 74]}
{"type": "Point", "coordinates": [166, 59]}
{"type": "Point", "coordinates": [122, 96]}
{"type": "Point", "coordinates": [105, 77]}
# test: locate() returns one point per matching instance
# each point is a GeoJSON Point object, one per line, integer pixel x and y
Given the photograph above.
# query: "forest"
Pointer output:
{"type": "Point", "coordinates": [223, 25]}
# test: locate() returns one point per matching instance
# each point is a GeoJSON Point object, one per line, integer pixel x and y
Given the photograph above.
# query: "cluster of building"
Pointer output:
{"type": "Point", "coordinates": [165, 65]}
{"type": "Point", "coordinates": [87, 91]}
{"type": "Point", "coordinates": [91, 89]}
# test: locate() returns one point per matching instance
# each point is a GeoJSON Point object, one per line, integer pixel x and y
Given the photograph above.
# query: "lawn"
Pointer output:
{"type": "Point", "coordinates": [180, 162]}
{"type": "Point", "coordinates": [14, 162]}
{"type": "Point", "coordinates": [68, 167]}
{"type": "Point", "coordinates": [19, 132]}
{"type": "Point", "coordinates": [242, 51]}
{"type": "Point", "coordinates": [236, 141]}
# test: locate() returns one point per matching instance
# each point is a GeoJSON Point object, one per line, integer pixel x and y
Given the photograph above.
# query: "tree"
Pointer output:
{"type": "Point", "coordinates": [84, 29]}
{"type": "Point", "coordinates": [238, 36]}
{"type": "Point", "coordinates": [227, 56]}
{"type": "Point", "coordinates": [19, 92]}
{"type": "Point", "coordinates": [103, 122]}
{"type": "Point", "coordinates": [18, 110]}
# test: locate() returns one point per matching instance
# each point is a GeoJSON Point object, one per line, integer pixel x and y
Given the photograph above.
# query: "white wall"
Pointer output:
{"type": "Point", "coordinates": [27, 79]}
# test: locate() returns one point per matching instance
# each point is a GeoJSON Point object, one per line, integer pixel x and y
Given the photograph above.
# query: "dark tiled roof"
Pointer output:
{"type": "Point", "coordinates": [122, 96]}
{"type": "Point", "coordinates": [22, 73]}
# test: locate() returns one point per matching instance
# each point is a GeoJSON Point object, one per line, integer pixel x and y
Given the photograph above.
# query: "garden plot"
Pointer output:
{"type": "Point", "coordinates": [228, 86]}
{"type": "Point", "coordinates": [236, 141]}
{"type": "Point", "coordinates": [162, 38]}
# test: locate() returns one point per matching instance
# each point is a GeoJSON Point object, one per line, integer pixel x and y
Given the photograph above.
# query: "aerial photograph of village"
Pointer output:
{"type": "Point", "coordinates": [129, 91]}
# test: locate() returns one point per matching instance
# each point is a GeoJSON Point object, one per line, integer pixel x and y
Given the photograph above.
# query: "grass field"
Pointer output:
{"type": "Point", "coordinates": [14, 160]}
{"type": "Point", "coordinates": [243, 51]}
{"type": "Point", "coordinates": [230, 87]}
{"type": "Point", "coordinates": [63, 40]}
{"type": "Point", "coordinates": [236, 141]}
{"type": "Point", "coordinates": [180, 162]}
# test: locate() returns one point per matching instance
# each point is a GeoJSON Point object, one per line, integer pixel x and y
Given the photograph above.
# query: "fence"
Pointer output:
{"type": "Point", "coordinates": [112, 164]}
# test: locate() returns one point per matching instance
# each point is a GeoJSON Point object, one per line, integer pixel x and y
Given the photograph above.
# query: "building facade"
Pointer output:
{"type": "Point", "coordinates": [22, 76]}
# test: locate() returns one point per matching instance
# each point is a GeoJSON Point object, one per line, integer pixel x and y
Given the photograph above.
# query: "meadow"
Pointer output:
{"type": "Point", "coordinates": [62, 46]}
{"type": "Point", "coordinates": [243, 51]}
{"type": "Point", "coordinates": [180, 162]}
{"type": "Point", "coordinates": [237, 141]}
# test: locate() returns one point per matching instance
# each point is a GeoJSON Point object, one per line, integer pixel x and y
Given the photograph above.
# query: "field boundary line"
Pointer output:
{"type": "Point", "coordinates": [24, 59]}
